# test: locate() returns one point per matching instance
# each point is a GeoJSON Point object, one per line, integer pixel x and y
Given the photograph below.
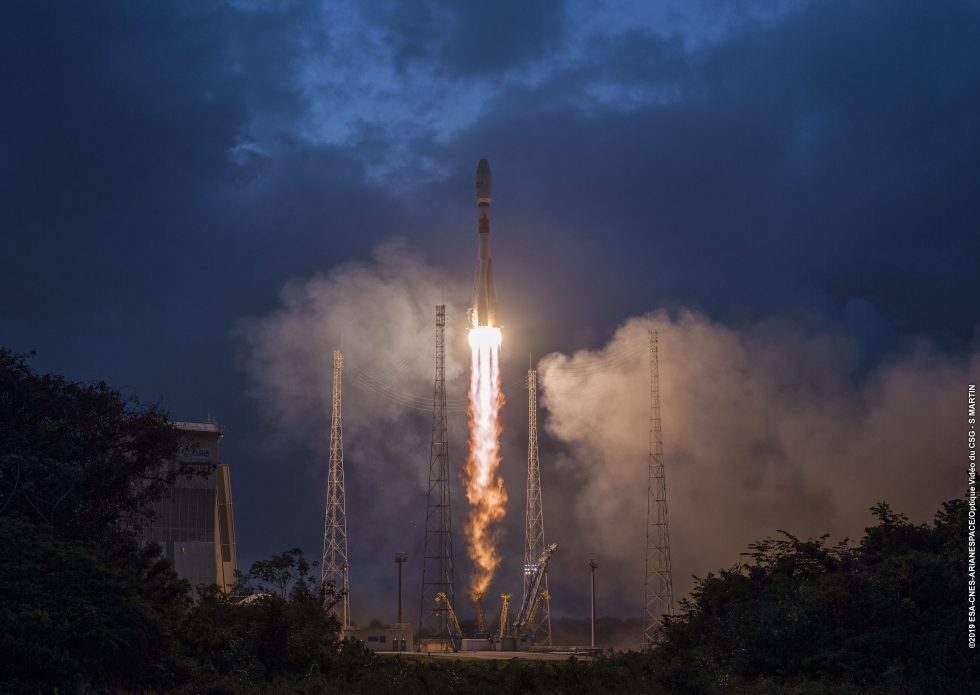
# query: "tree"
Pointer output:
{"type": "Point", "coordinates": [885, 615]}
{"type": "Point", "coordinates": [82, 603]}
{"type": "Point", "coordinates": [75, 615]}
{"type": "Point", "coordinates": [79, 457]}
{"type": "Point", "coordinates": [276, 625]}
{"type": "Point", "coordinates": [282, 574]}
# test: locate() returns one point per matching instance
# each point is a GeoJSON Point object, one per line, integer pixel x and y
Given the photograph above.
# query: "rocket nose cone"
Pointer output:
{"type": "Point", "coordinates": [483, 180]}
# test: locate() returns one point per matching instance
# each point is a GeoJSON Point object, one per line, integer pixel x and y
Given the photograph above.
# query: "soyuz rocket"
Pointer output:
{"type": "Point", "coordinates": [483, 306]}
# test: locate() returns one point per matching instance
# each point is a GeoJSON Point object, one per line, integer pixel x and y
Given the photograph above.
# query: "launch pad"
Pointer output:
{"type": "Point", "coordinates": [528, 633]}
{"type": "Point", "coordinates": [558, 654]}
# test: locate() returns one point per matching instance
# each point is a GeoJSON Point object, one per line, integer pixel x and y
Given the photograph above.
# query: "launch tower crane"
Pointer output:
{"type": "Point", "coordinates": [481, 619]}
{"type": "Point", "coordinates": [455, 632]}
{"type": "Point", "coordinates": [503, 614]}
{"type": "Point", "coordinates": [534, 596]}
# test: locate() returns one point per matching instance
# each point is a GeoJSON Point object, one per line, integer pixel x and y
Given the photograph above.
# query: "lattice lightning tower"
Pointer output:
{"type": "Point", "coordinates": [437, 566]}
{"type": "Point", "coordinates": [659, 593]}
{"type": "Point", "coordinates": [534, 515]}
{"type": "Point", "coordinates": [334, 564]}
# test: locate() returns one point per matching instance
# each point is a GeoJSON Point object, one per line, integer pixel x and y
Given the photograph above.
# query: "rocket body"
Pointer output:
{"type": "Point", "coordinates": [483, 306]}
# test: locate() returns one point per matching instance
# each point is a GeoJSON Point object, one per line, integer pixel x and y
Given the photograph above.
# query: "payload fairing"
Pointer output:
{"type": "Point", "coordinates": [483, 307]}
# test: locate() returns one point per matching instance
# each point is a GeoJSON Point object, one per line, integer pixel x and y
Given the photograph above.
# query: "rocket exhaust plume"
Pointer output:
{"type": "Point", "coordinates": [484, 486]}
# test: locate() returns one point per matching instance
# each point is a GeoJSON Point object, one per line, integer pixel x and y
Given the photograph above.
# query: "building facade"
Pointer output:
{"type": "Point", "coordinates": [194, 521]}
{"type": "Point", "coordinates": [394, 638]}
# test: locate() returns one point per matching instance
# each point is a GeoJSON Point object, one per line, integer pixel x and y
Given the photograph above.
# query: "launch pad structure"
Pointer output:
{"type": "Point", "coordinates": [529, 630]}
{"type": "Point", "coordinates": [435, 621]}
{"type": "Point", "coordinates": [540, 627]}
{"type": "Point", "coordinates": [438, 618]}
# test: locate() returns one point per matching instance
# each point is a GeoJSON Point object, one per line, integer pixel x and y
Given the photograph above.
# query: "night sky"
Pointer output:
{"type": "Point", "coordinates": [199, 201]}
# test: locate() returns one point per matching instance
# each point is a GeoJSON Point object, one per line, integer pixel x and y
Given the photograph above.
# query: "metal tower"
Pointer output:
{"type": "Point", "coordinates": [437, 566]}
{"type": "Point", "coordinates": [534, 515]}
{"type": "Point", "coordinates": [334, 564]}
{"type": "Point", "coordinates": [659, 600]}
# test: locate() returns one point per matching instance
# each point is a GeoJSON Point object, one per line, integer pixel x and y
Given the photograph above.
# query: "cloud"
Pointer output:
{"type": "Point", "coordinates": [765, 426]}
{"type": "Point", "coordinates": [383, 314]}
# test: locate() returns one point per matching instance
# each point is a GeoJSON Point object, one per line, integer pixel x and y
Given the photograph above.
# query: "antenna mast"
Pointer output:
{"type": "Point", "coordinates": [334, 564]}
{"type": "Point", "coordinates": [534, 516]}
{"type": "Point", "coordinates": [659, 593]}
{"type": "Point", "coordinates": [437, 565]}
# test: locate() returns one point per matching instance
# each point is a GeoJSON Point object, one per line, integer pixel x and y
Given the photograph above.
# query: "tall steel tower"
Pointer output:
{"type": "Point", "coordinates": [659, 599]}
{"type": "Point", "coordinates": [437, 565]}
{"type": "Point", "coordinates": [334, 563]}
{"type": "Point", "coordinates": [534, 515]}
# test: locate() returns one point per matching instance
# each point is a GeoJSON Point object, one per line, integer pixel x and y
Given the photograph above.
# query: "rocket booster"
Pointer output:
{"type": "Point", "coordinates": [483, 307]}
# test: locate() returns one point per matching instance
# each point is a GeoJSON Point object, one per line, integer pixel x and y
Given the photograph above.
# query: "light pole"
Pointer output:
{"type": "Point", "coordinates": [401, 559]}
{"type": "Point", "coordinates": [592, 565]}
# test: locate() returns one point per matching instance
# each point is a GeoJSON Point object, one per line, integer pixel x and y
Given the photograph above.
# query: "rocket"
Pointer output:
{"type": "Point", "coordinates": [483, 306]}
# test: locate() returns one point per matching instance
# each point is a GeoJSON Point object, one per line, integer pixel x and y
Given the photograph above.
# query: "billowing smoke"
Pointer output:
{"type": "Point", "coordinates": [382, 314]}
{"type": "Point", "coordinates": [766, 427]}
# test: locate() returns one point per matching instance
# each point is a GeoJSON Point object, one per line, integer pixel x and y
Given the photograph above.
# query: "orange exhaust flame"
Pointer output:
{"type": "Point", "coordinates": [484, 487]}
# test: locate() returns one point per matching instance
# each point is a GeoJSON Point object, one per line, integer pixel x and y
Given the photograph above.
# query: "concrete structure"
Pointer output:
{"type": "Point", "coordinates": [557, 654]}
{"type": "Point", "coordinates": [195, 521]}
{"type": "Point", "coordinates": [436, 645]}
{"type": "Point", "coordinates": [476, 644]}
{"type": "Point", "coordinates": [394, 638]}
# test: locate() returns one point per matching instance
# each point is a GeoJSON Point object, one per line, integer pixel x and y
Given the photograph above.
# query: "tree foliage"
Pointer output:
{"type": "Point", "coordinates": [73, 614]}
{"type": "Point", "coordinates": [79, 457]}
{"type": "Point", "coordinates": [276, 624]}
{"type": "Point", "coordinates": [886, 615]}
{"type": "Point", "coordinates": [81, 602]}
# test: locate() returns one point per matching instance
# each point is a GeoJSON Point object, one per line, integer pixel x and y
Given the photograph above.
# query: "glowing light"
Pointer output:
{"type": "Point", "coordinates": [484, 486]}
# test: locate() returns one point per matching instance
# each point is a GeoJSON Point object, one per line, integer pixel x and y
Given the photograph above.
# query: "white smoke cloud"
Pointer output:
{"type": "Point", "coordinates": [383, 312]}
{"type": "Point", "coordinates": [766, 427]}
{"type": "Point", "coordinates": [383, 315]}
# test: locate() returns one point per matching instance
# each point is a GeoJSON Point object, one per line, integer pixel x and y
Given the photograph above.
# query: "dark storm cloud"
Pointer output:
{"type": "Point", "coordinates": [167, 168]}
{"type": "Point", "coordinates": [825, 158]}
{"type": "Point", "coordinates": [155, 191]}
{"type": "Point", "coordinates": [475, 38]}
{"type": "Point", "coordinates": [131, 162]}
{"type": "Point", "coordinates": [116, 118]}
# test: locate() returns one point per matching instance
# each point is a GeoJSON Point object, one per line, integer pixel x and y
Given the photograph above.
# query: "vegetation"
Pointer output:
{"type": "Point", "coordinates": [85, 608]}
{"type": "Point", "coordinates": [886, 615]}
{"type": "Point", "coordinates": [82, 605]}
{"type": "Point", "coordinates": [78, 457]}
